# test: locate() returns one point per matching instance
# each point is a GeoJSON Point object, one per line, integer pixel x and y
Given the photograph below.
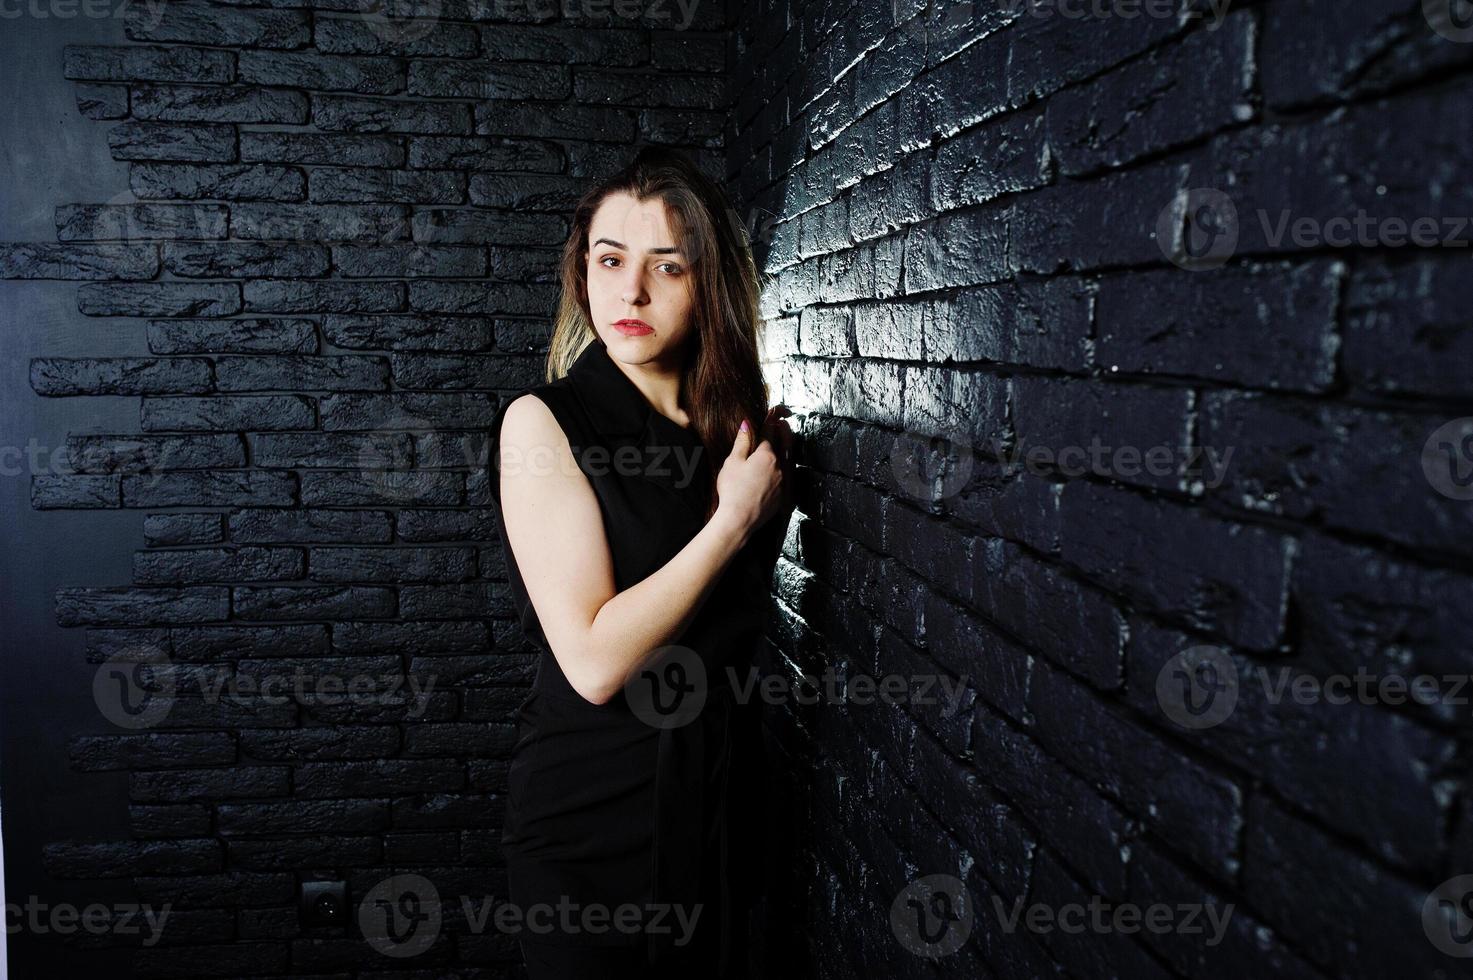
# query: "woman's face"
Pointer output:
{"type": "Point", "coordinates": [637, 273]}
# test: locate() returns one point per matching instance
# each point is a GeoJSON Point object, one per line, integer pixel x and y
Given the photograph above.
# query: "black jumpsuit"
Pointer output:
{"type": "Point", "coordinates": [605, 808]}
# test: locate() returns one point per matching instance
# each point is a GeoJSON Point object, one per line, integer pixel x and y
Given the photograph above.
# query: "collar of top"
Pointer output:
{"type": "Point", "coordinates": [613, 403]}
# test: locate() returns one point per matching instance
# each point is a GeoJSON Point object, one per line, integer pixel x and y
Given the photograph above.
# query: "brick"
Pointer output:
{"type": "Point", "coordinates": [1346, 467]}
{"type": "Point", "coordinates": [255, 334]}
{"type": "Point", "coordinates": [167, 141]}
{"type": "Point", "coordinates": [232, 104]}
{"type": "Point", "coordinates": [1282, 319]}
{"type": "Point", "coordinates": [126, 606]}
{"type": "Point", "coordinates": [391, 564]}
{"type": "Point", "coordinates": [193, 566]}
{"type": "Point", "coordinates": [964, 248]}
{"type": "Point", "coordinates": [104, 453]}
{"type": "Point", "coordinates": [277, 603]}
{"type": "Point", "coordinates": [248, 260]}
{"type": "Point", "coordinates": [1050, 50]}
{"type": "Point", "coordinates": [152, 750]}
{"type": "Point", "coordinates": [42, 260]}
{"type": "Point", "coordinates": [443, 333]}
{"type": "Point", "coordinates": [234, 412]}
{"type": "Point", "coordinates": [1091, 832]}
{"type": "Point", "coordinates": [1216, 575]}
{"type": "Point", "coordinates": [59, 491]}
{"type": "Point", "coordinates": [1359, 608]}
{"type": "Point", "coordinates": [198, 23]}
{"type": "Point", "coordinates": [1315, 52]}
{"type": "Point", "coordinates": [1044, 325]}
{"type": "Point", "coordinates": [1378, 928]}
{"type": "Point", "coordinates": [320, 223]}
{"type": "Point", "coordinates": [102, 101]}
{"type": "Point", "coordinates": [246, 488]}
{"type": "Point", "coordinates": [484, 153]}
{"type": "Point", "coordinates": [336, 150]}
{"type": "Point", "coordinates": [1176, 94]}
{"type": "Point", "coordinates": [1121, 432]}
{"type": "Point", "coordinates": [352, 185]}
{"type": "Point", "coordinates": [372, 76]}
{"type": "Point", "coordinates": [415, 261]}
{"type": "Point", "coordinates": [1002, 156]}
{"type": "Point", "coordinates": [566, 121]}
{"type": "Point", "coordinates": [351, 114]}
{"type": "Point", "coordinates": [56, 376]}
{"type": "Point", "coordinates": [449, 372]}
{"type": "Point", "coordinates": [406, 411]}
{"type": "Point", "coordinates": [1370, 772]}
{"type": "Point", "coordinates": [382, 488]}
{"type": "Point", "coordinates": [295, 372]}
{"type": "Point", "coordinates": [356, 35]}
{"type": "Point", "coordinates": [490, 80]}
{"type": "Point", "coordinates": [1199, 810]}
{"type": "Point", "coordinates": [1404, 327]}
{"type": "Point", "coordinates": [120, 859]}
{"type": "Point", "coordinates": [237, 182]}
{"type": "Point", "coordinates": [162, 530]}
{"type": "Point", "coordinates": [483, 298]}
{"type": "Point", "coordinates": [446, 227]}
{"type": "Point", "coordinates": [310, 527]}
{"type": "Point", "coordinates": [139, 222]}
{"type": "Point", "coordinates": [293, 296]}
{"type": "Point", "coordinates": [185, 299]}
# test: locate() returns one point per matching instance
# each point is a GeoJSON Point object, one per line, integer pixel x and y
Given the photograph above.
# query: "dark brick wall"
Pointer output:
{"type": "Point", "coordinates": [983, 224]}
{"type": "Point", "coordinates": [985, 228]}
{"type": "Point", "coordinates": [333, 252]}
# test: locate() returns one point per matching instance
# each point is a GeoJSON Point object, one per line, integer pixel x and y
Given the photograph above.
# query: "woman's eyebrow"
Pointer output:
{"type": "Point", "coordinates": [663, 250]}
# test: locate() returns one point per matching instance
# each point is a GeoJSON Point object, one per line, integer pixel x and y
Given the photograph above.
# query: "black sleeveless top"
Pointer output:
{"type": "Point", "coordinates": [604, 805]}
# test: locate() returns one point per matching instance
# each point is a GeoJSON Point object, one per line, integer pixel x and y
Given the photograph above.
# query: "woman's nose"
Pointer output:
{"type": "Point", "coordinates": [634, 287]}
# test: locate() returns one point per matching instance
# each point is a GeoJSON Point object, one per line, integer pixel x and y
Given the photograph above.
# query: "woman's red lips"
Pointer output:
{"type": "Point", "coordinates": [633, 328]}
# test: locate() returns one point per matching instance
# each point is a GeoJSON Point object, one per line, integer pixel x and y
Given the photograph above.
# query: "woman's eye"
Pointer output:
{"type": "Point", "coordinates": [674, 269]}
{"type": "Point", "coordinates": [607, 258]}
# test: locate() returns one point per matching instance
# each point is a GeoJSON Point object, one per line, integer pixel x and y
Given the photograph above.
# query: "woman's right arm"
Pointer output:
{"type": "Point", "coordinates": [599, 636]}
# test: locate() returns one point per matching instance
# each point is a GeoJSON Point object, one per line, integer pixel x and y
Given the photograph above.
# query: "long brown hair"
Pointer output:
{"type": "Point", "coordinates": [722, 381]}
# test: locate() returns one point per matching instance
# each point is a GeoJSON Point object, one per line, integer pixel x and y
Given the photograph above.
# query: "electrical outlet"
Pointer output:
{"type": "Point", "coordinates": [324, 903]}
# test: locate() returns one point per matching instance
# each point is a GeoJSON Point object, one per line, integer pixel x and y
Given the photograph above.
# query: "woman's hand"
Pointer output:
{"type": "Point", "coordinates": [750, 489]}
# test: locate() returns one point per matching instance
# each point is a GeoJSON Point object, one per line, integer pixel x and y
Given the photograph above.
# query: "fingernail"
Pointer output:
{"type": "Point", "coordinates": [745, 425]}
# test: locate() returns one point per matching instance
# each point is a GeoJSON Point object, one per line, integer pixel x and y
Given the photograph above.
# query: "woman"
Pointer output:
{"type": "Point", "coordinates": [637, 513]}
